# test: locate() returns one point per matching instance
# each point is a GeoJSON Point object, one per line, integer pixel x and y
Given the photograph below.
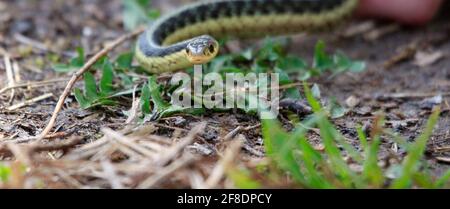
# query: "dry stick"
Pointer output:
{"type": "Point", "coordinates": [122, 139]}
{"type": "Point", "coordinates": [224, 164]}
{"type": "Point", "coordinates": [31, 101]}
{"type": "Point", "coordinates": [175, 150]}
{"type": "Point", "coordinates": [33, 148]}
{"type": "Point", "coordinates": [80, 72]}
{"type": "Point", "coordinates": [9, 74]}
{"type": "Point", "coordinates": [9, 70]}
{"type": "Point", "coordinates": [33, 84]}
{"type": "Point", "coordinates": [16, 70]}
{"type": "Point", "coordinates": [232, 133]}
{"type": "Point", "coordinates": [406, 95]}
{"type": "Point", "coordinates": [164, 172]}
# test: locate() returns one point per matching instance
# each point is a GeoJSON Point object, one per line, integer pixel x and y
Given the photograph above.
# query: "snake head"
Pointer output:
{"type": "Point", "coordinates": [202, 49]}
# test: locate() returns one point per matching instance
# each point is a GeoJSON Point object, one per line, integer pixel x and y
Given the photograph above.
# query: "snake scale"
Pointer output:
{"type": "Point", "coordinates": [187, 36]}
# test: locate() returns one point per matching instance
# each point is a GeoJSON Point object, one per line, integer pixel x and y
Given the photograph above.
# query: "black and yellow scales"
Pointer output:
{"type": "Point", "coordinates": [187, 36]}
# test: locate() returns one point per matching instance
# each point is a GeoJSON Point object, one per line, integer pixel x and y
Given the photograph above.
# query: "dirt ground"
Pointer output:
{"type": "Point", "coordinates": [408, 73]}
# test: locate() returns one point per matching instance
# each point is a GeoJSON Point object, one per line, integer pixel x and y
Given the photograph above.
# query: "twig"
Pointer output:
{"type": "Point", "coordinates": [153, 180]}
{"type": "Point", "coordinates": [56, 135]}
{"type": "Point", "coordinates": [170, 127]}
{"type": "Point", "coordinates": [133, 112]}
{"type": "Point", "coordinates": [252, 127]}
{"type": "Point", "coordinates": [174, 151]}
{"type": "Point", "coordinates": [406, 53]}
{"type": "Point", "coordinates": [16, 70]}
{"type": "Point", "coordinates": [379, 32]}
{"type": "Point", "coordinates": [68, 179]}
{"type": "Point", "coordinates": [21, 153]}
{"type": "Point", "coordinates": [405, 95]}
{"type": "Point", "coordinates": [121, 139]}
{"type": "Point", "coordinates": [35, 147]}
{"type": "Point", "coordinates": [9, 70]}
{"type": "Point", "coordinates": [224, 164]}
{"type": "Point", "coordinates": [442, 149]}
{"type": "Point", "coordinates": [28, 102]}
{"type": "Point", "coordinates": [9, 74]}
{"type": "Point", "coordinates": [67, 144]}
{"type": "Point", "coordinates": [33, 84]}
{"type": "Point", "coordinates": [111, 175]}
{"type": "Point", "coordinates": [80, 73]}
{"type": "Point", "coordinates": [232, 133]}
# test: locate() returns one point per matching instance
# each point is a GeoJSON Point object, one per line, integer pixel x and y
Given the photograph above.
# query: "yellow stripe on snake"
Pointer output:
{"type": "Point", "coordinates": [187, 36]}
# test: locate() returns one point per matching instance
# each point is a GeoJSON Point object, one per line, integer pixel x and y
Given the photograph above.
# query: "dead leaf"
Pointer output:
{"type": "Point", "coordinates": [424, 59]}
{"type": "Point", "coordinates": [352, 101]}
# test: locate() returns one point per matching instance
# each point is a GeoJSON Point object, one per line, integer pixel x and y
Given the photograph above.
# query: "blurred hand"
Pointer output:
{"type": "Point", "coordinates": [412, 12]}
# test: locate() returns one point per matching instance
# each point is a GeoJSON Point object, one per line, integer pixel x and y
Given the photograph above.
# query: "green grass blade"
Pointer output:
{"type": "Point", "coordinates": [362, 138]}
{"type": "Point", "coordinates": [326, 132]}
{"type": "Point", "coordinates": [443, 181]}
{"type": "Point", "coordinates": [311, 158]}
{"type": "Point", "coordinates": [280, 147]}
{"type": "Point", "coordinates": [412, 160]}
{"type": "Point", "coordinates": [371, 171]}
{"type": "Point", "coordinates": [5, 173]}
{"type": "Point", "coordinates": [242, 179]}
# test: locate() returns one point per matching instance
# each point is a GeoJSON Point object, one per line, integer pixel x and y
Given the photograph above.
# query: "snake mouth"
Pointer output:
{"type": "Point", "coordinates": [197, 60]}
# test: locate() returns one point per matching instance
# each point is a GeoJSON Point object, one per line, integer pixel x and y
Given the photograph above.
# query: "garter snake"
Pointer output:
{"type": "Point", "coordinates": [186, 36]}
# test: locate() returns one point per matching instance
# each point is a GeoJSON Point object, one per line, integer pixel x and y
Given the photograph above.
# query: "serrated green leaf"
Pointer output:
{"type": "Point", "coordinates": [99, 64]}
{"type": "Point", "coordinates": [292, 64]}
{"type": "Point", "coordinates": [145, 99]}
{"type": "Point", "coordinates": [322, 61]}
{"type": "Point", "coordinates": [106, 83]}
{"type": "Point", "coordinates": [78, 61]}
{"type": "Point", "coordinates": [357, 66]}
{"type": "Point", "coordinates": [105, 102]}
{"type": "Point", "coordinates": [155, 94]}
{"type": "Point", "coordinates": [90, 87]}
{"type": "Point", "coordinates": [292, 93]}
{"type": "Point", "coordinates": [343, 63]}
{"type": "Point", "coordinates": [126, 81]}
{"type": "Point", "coordinates": [84, 104]}
{"type": "Point", "coordinates": [283, 76]}
{"type": "Point", "coordinates": [74, 64]}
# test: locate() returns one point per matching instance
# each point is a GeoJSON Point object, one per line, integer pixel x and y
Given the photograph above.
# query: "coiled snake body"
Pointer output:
{"type": "Point", "coordinates": [187, 36]}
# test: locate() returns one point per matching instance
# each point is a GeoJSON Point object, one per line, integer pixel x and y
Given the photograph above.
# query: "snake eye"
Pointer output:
{"type": "Point", "coordinates": [211, 49]}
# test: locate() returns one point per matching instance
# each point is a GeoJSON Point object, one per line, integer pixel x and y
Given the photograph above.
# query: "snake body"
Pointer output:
{"type": "Point", "coordinates": [187, 36]}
